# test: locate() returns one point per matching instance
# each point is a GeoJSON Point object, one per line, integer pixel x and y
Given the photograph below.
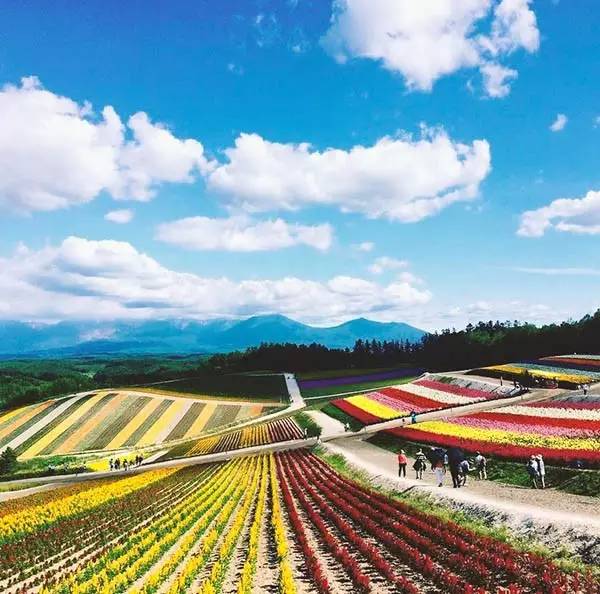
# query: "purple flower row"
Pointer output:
{"type": "Point", "coordinates": [358, 379]}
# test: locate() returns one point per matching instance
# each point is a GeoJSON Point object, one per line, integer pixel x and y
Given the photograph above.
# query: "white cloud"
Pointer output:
{"type": "Point", "coordinates": [121, 216]}
{"type": "Point", "coordinates": [559, 123]}
{"type": "Point", "coordinates": [558, 271]}
{"type": "Point", "coordinates": [496, 79]}
{"type": "Point", "coordinates": [55, 152]}
{"type": "Point", "coordinates": [365, 246]}
{"type": "Point", "coordinates": [84, 279]}
{"type": "Point", "coordinates": [426, 40]}
{"type": "Point", "coordinates": [384, 264]}
{"type": "Point", "coordinates": [574, 215]}
{"type": "Point", "coordinates": [243, 234]}
{"type": "Point", "coordinates": [404, 179]}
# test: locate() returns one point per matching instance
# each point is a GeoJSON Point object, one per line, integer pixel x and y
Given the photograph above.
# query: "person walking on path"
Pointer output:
{"type": "Point", "coordinates": [455, 457]}
{"type": "Point", "coordinates": [111, 464]}
{"type": "Point", "coordinates": [439, 469]}
{"type": "Point", "coordinates": [541, 468]}
{"type": "Point", "coordinates": [402, 462]}
{"type": "Point", "coordinates": [420, 464]}
{"type": "Point", "coordinates": [532, 470]}
{"type": "Point", "coordinates": [464, 469]}
{"type": "Point", "coordinates": [481, 465]}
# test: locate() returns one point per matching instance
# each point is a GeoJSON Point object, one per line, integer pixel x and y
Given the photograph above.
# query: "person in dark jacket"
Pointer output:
{"type": "Point", "coordinates": [455, 457]}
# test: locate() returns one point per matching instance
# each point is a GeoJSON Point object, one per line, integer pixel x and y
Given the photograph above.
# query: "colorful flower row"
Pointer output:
{"type": "Point", "coordinates": [113, 420]}
{"type": "Point", "coordinates": [275, 431]}
{"type": "Point", "coordinates": [567, 380]}
{"type": "Point", "coordinates": [209, 529]}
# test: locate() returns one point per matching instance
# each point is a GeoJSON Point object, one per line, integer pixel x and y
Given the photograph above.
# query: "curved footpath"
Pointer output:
{"type": "Point", "coordinates": [547, 506]}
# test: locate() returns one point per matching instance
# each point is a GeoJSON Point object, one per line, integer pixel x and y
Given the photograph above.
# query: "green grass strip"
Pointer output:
{"type": "Point", "coordinates": [59, 440]}
{"type": "Point", "coordinates": [156, 414]}
{"type": "Point", "coordinates": [186, 421]}
{"type": "Point", "coordinates": [52, 424]}
{"type": "Point", "coordinates": [116, 424]}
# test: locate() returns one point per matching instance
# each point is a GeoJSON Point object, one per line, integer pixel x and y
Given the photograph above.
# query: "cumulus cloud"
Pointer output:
{"type": "Point", "coordinates": [56, 152]}
{"type": "Point", "coordinates": [559, 123]}
{"type": "Point", "coordinates": [385, 263]}
{"type": "Point", "coordinates": [403, 178]}
{"type": "Point", "coordinates": [243, 234]}
{"type": "Point", "coordinates": [424, 41]}
{"type": "Point", "coordinates": [121, 216]}
{"type": "Point", "coordinates": [574, 215]}
{"type": "Point", "coordinates": [83, 279]}
{"type": "Point", "coordinates": [496, 79]}
{"type": "Point", "coordinates": [558, 271]}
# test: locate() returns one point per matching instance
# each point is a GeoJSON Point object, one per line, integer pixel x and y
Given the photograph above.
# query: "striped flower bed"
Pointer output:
{"type": "Point", "coordinates": [115, 420]}
{"type": "Point", "coordinates": [562, 433]}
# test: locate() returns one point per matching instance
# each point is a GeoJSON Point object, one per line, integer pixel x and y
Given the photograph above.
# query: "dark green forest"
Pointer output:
{"type": "Point", "coordinates": [483, 344]}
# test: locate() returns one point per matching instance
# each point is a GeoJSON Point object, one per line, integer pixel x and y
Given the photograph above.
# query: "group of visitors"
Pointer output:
{"type": "Point", "coordinates": [454, 460]}
{"type": "Point", "coordinates": [537, 471]}
{"type": "Point", "coordinates": [442, 460]}
{"type": "Point", "coordinates": [125, 464]}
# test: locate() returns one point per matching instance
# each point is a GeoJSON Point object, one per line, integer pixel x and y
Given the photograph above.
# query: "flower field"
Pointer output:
{"type": "Point", "coordinates": [114, 420]}
{"type": "Point", "coordinates": [423, 395]}
{"type": "Point", "coordinates": [256, 435]}
{"type": "Point", "coordinates": [352, 381]}
{"type": "Point", "coordinates": [284, 523]}
{"type": "Point", "coordinates": [569, 371]}
{"type": "Point", "coordinates": [562, 430]}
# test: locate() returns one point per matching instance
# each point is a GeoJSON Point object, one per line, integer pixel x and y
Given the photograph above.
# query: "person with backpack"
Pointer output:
{"type": "Point", "coordinates": [420, 464]}
{"type": "Point", "coordinates": [402, 462]}
{"type": "Point", "coordinates": [481, 465]}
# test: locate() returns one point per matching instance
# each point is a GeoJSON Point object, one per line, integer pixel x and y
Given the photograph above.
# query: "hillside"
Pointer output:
{"type": "Point", "coordinates": [179, 336]}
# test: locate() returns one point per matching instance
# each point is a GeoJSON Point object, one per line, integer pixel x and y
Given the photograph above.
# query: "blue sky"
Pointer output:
{"type": "Point", "coordinates": [377, 171]}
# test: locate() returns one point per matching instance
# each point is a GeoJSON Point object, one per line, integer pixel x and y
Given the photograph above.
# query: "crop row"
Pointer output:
{"type": "Point", "coordinates": [289, 516]}
{"type": "Point", "coordinates": [255, 435]}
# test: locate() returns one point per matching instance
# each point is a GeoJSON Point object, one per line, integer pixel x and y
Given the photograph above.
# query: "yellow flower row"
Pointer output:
{"type": "Point", "coordinates": [286, 578]}
{"type": "Point", "coordinates": [245, 583]}
{"type": "Point", "coordinates": [186, 546]}
{"type": "Point", "coordinates": [30, 519]}
{"type": "Point", "coordinates": [119, 566]}
{"type": "Point", "coordinates": [509, 437]}
{"type": "Point", "coordinates": [373, 407]}
{"type": "Point", "coordinates": [565, 377]}
{"type": "Point", "coordinates": [214, 581]}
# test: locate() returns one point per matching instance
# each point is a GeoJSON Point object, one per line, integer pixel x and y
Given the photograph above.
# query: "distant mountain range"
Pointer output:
{"type": "Point", "coordinates": [184, 337]}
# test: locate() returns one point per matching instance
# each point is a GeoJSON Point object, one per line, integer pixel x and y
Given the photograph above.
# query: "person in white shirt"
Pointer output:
{"type": "Point", "coordinates": [481, 465]}
{"type": "Point", "coordinates": [541, 470]}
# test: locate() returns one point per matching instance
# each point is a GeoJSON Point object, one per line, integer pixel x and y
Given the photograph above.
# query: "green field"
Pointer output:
{"type": "Point", "coordinates": [353, 388]}
{"type": "Point", "coordinates": [271, 388]}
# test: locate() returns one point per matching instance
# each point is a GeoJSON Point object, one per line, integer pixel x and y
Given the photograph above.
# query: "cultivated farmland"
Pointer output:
{"type": "Point", "coordinates": [278, 523]}
{"type": "Point", "coordinates": [111, 420]}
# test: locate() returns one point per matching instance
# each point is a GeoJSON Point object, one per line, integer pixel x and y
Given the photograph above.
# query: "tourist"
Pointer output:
{"type": "Point", "coordinates": [481, 465]}
{"type": "Point", "coordinates": [420, 464]}
{"type": "Point", "coordinates": [532, 470]}
{"type": "Point", "coordinates": [439, 469]}
{"type": "Point", "coordinates": [413, 417]}
{"type": "Point", "coordinates": [541, 468]}
{"type": "Point", "coordinates": [125, 465]}
{"type": "Point", "coordinates": [117, 464]}
{"type": "Point", "coordinates": [402, 462]}
{"type": "Point", "coordinates": [585, 389]}
{"type": "Point", "coordinates": [305, 433]}
{"type": "Point", "coordinates": [346, 426]}
{"type": "Point", "coordinates": [455, 457]}
{"type": "Point", "coordinates": [464, 469]}
{"type": "Point", "coordinates": [111, 464]}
